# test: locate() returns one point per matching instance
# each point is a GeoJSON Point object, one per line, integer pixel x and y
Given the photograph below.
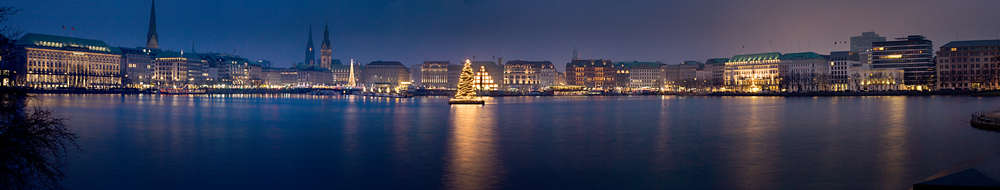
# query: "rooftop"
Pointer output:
{"type": "Point", "coordinates": [33, 39]}
{"type": "Point", "coordinates": [973, 43]}
{"type": "Point", "coordinates": [756, 57]}
{"type": "Point", "coordinates": [802, 55]}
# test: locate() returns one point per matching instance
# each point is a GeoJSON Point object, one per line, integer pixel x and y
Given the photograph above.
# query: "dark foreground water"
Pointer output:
{"type": "Point", "coordinates": [652, 142]}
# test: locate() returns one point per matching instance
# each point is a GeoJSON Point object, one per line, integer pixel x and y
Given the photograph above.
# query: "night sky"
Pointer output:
{"type": "Point", "coordinates": [547, 30]}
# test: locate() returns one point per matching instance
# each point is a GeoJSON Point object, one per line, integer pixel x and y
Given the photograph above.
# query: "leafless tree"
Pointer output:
{"type": "Point", "coordinates": [33, 143]}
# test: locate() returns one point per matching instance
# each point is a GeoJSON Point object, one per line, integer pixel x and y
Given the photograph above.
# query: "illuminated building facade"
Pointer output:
{"type": "Point", "coordinates": [172, 67]}
{"type": "Point", "coordinates": [434, 74]}
{"type": "Point", "coordinates": [913, 54]}
{"type": "Point", "coordinates": [753, 72]}
{"type": "Point", "coordinates": [969, 65]}
{"type": "Point", "coordinates": [642, 75]}
{"type": "Point", "coordinates": [386, 73]}
{"type": "Point", "coordinates": [483, 80]}
{"type": "Point", "coordinates": [136, 67]}
{"type": "Point", "coordinates": [342, 73]}
{"type": "Point", "coordinates": [529, 74]}
{"type": "Point", "coordinates": [58, 61]}
{"type": "Point", "coordinates": [591, 73]}
{"type": "Point", "coordinates": [841, 65]}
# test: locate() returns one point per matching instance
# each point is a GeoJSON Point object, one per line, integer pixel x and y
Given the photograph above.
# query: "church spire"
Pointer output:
{"type": "Point", "coordinates": [152, 39]}
{"type": "Point", "coordinates": [576, 56]}
{"type": "Point", "coordinates": [310, 50]}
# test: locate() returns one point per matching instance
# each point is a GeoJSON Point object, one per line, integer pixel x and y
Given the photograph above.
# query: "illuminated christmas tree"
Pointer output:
{"type": "Point", "coordinates": [466, 91]}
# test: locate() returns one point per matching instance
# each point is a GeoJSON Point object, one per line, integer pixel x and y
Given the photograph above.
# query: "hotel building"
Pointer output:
{"type": "Point", "coordinates": [969, 65]}
{"type": "Point", "coordinates": [527, 75]}
{"type": "Point", "coordinates": [434, 74]}
{"type": "Point", "coordinates": [753, 72]}
{"type": "Point", "coordinates": [58, 61]}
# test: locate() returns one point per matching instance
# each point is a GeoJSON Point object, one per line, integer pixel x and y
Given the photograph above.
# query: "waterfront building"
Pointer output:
{"type": "Point", "coordinates": [271, 77]}
{"type": "Point", "coordinates": [682, 75]}
{"type": "Point", "coordinates": [386, 74]}
{"type": "Point", "coordinates": [172, 67]}
{"type": "Point", "coordinates": [913, 54]}
{"type": "Point", "coordinates": [842, 65]}
{"type": "Point", "coordinates": [753, 72]}
{"type": "Point", "coordinates": [483, 81]}
{"type": "Point", "coordinates": [307, 75]}
{"type": "Point", "coordinates": [310, 51]}
{"type": "Point", "coordinates": [591, 73]}
{"type": "Point", "coordinates": [642, 75]}
{"type": "Point", "coordinates": [136, 67]}
{"type": "Point", "coordinates": [969, 65]}
{"type": "Point", "coordinates": [58, 61]}
{"type": "Point", "coordinates": [454, 74]}
{"type": "Point", "coordinates": [622, 76]}
{"type": "Point", "coordinates": [529, 74]}
{"type": "Point", "coordinates": [803, 72]}
{"type": "Point", "coordinates": [342, 73]}
{"type": "Point", "coordinates": [326, 53]}
{"type": "Point", "coordinates": [152, 38]}
{"type": "Point", "coordinates": [560, 78]}
{"type": "Point", "coordinates": [717, 68]}
{"type": "Point", "coordinates": [865, 40]}
{"type": "Point", "coordinates": [434, 74]}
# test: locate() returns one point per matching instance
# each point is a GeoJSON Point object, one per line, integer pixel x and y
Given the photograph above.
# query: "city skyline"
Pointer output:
{"type": "Point", "coordinates": [424, 31]}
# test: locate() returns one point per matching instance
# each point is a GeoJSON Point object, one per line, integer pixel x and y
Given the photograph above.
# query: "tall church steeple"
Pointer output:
{"type": "Point", "coordinates": [310, 51]}
{"type": "Point", "coordinates": [326, 54]}
{"type": "Point", "coordinates": [576, 56]}
{"type": "Point", "coordinates": [152, 39]}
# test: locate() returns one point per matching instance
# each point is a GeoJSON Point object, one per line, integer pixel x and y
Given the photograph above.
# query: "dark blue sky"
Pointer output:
{"type": "Point", "coordinates": [423, 30]}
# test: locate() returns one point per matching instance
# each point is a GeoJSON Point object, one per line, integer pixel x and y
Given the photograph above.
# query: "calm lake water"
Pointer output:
{"type": "Point", "coordinates": [648, 142]}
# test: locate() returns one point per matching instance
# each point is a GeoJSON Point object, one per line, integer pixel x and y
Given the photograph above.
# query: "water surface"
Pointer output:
{"type": "Point", "coordinates": [647, 142]}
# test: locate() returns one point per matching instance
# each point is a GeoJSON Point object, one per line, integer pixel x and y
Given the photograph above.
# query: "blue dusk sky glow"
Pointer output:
{"type": "Point", "coordinates": [546, 30]}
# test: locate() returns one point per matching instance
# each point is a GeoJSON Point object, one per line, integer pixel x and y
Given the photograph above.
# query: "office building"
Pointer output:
{"type": "Point", "coordinates": [913, 54]}
{"type": "Point", "coordinates": [969, 65]}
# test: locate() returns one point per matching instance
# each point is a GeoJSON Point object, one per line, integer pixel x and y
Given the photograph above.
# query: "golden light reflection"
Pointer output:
{"type": "Point", "coordinates": [756, 160]}
{"type": "Point", "coordinates": [893, 152]}
{"type": "Point", "coordinates": [472, 163]}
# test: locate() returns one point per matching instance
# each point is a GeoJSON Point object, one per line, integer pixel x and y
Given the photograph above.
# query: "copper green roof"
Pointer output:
{"type": "Point", "coordinates": [62, 42]}
{"type": "Point", "coordinates": [716, 61]}
{"type": "Point", "coordinates": [803, 55]}
{"type": "Point", "coordinates": [756, 57]}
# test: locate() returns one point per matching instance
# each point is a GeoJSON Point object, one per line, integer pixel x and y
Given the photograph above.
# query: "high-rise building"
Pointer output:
{"type": "Point", "coordinates": [969, 65]}
{"type": "Point", "coordinates": [310, 51]}
{"type": "Point", "coordinates": [913, 54]}
{"type": "Point", "coordinates": [59, 61]}
{"type": "Point", "coordinates": [326, 54]}
{"type": "Point", "coordinates": [152, 38]}
{"type": "Point", "coordinates": [864, 41]}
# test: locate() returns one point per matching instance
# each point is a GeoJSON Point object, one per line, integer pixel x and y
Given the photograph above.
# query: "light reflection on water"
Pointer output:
{"type": "Point", "coordinates": [646, 142]}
